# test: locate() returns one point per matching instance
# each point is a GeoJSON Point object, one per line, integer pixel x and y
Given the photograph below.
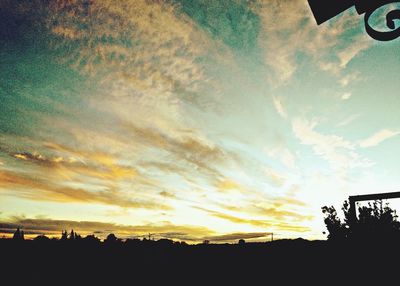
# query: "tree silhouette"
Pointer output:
{"type": "Point", "coordinates": [91, 238]}
{"type": "Point", "coordinates": [337, 230]}
{"type": "Point", "coordinates": [72, 235]}
{"type": "Point", "coordinates": [42, 238]}
{"type": "Point", "coordinates": [18, 235]}
{"type": "Point", "coordinates": [111, 238]}
{"type": "Point", "coordinates": [375, 221]}
{"type": "Point", "coordinates": [64, 235]}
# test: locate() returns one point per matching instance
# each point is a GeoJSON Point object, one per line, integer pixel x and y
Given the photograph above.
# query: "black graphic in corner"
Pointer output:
{"type": "Point", "coordinates": [324, 10]}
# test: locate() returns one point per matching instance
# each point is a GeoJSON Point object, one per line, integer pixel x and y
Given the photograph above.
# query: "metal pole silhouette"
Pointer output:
{"type": "Point", "coordinates": [370, 197]}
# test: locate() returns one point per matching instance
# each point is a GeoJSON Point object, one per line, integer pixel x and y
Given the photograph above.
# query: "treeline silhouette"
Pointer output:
{"type": "Point", "coordinates": [376, 222]}
{"type": "Point", "coordinates": [360, 253]}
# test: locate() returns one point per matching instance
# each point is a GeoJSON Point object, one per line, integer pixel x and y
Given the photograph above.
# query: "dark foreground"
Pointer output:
{"type": "Point", "coordinates": [294, 262]}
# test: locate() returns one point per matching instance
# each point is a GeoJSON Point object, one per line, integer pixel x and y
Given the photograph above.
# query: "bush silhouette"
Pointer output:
{"type": "Point", "coordinates": [111, 238]}
{"type": "Point", "coordinates": [375, 221]}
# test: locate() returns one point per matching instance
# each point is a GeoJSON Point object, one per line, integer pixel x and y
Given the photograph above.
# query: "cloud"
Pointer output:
{"type": "Point", "coordinates": [238, 220]}
{"type": "Point", "coordinates": [378, 138]}
{"type": "Point", "coordinates": [40, 159]}
{"type": "Point", "coordinates": [277, 209]}
{"type": "Point", "coordinates": [348, 120]}
{"type": "Point", "coordinates": [284, 201]}
{"type": "Point", "coordinates": [236, 236]}
{"type": "Point", "coordinates": [334, 149]}
{"type": "Point", "coordinates": [279, 214]}
{"type": "Point", "coordinates": [197, 152]}
{"type": "Point", "coordinates": [283, 154]}
{"type": "Point", "coordinates": [293, 228]}
{"type": "Point", "coordinates": [125, 170]}
{"type": "Point", "coordinates": [263, 223]}
{"type": "Point", "coordinates": [227, 185]}
{"type": "Point", "coordinates": [345, 96]}
{"type": "Point", "coordinates": [35, 188]}
{"type": "Point", "coordinates": [349, 78]}
{"type": "Point", "coordinates": [274, 177]}
{"type": "Point", "coordinates": [279, 107]}
{"type": "Point", "coordinates": [89, 164]}
{"type": "Point", "coordinates": [277, 219]}
{"type": "Point", "coordinates": [167, 45]}
{"type": "Point", "coordinates": [360, 44]}
{"type": "Point", "coordinates": [289, 29]}
{"type": "Point", "coordinates": [168, 195]}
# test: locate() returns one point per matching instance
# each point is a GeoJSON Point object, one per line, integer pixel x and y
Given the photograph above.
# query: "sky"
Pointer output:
{"type": "Point", "coordinates": [190, 120]}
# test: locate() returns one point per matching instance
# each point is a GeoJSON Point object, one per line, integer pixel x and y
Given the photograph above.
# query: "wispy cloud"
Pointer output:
{"type": "Point", "coordinates": [378, 138]}
{"type": "Point", "coordinates": [283, 39]}
{"type": "Point", "coordinates": [348, 120]}
{"type": "Point", "coordinates": [262, 223]}
{"type": "Point", "coordinates": [339, 152]}
{"type": "Point", "coordinates": [269, 218]}
{"type": "Point", "coordinates": [284, 155]}
{"type": "Point", "coordinates": [167, 46]}
{"type": "Point", "coordinates": [346, 96]}
{"type": "Point", "coordinates": [279, 107]}
{"type": "Point", "coordinates": [39, 189]}
{"type": "Point", "coordinates": [360, 44]}
{"type": "Point", "coordinates": [237, 236]}
{"type": "Point", "coordinates": [238, 220]}
{"type": "Point", "coordinates": [274, 177]}
{"type": "Point", "coordinates": [349, 78]}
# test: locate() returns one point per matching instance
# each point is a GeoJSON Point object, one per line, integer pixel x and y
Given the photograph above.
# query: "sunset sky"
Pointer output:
{"type": "Point", "coordinates": [191, 120]}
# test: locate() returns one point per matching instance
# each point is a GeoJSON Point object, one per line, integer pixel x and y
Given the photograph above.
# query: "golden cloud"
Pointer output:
{"type": "Point", "coordinates": [22, 185]}
{"type": "Point", "coordinates": [274, 222]}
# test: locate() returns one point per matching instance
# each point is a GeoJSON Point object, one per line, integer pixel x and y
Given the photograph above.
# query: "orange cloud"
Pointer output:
{"type": "Point", "coordinates": [236, 236]}
{"type": "Point", "coordinates": [227, 185]}
{"type": "Point", "coordinates": [22, 185]}
{"type": "Point", "coordinates": [273, 223]}
{"type": "Point", "coordinates": [91, 164]}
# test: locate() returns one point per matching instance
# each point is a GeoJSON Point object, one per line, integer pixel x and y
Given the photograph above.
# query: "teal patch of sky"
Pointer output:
{"type": "Point", "coordinates": [32, 83]}
{"type": "Point", "coordinates": [233, 22]}
{"type": "Point", "coordinates": [309, 91]}
{"type": "Point", "coordinates": [254, 162]}
{"type": "Point", "coordinates": [386, 156]}
{"type": "Point", "coordinates": [377, 97]}
{"type": "Point", "coordinates": [243, 109]}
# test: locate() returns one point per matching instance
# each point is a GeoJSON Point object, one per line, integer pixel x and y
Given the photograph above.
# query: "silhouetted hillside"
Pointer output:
{"type": "Point", "coordinates": [91, 261]}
